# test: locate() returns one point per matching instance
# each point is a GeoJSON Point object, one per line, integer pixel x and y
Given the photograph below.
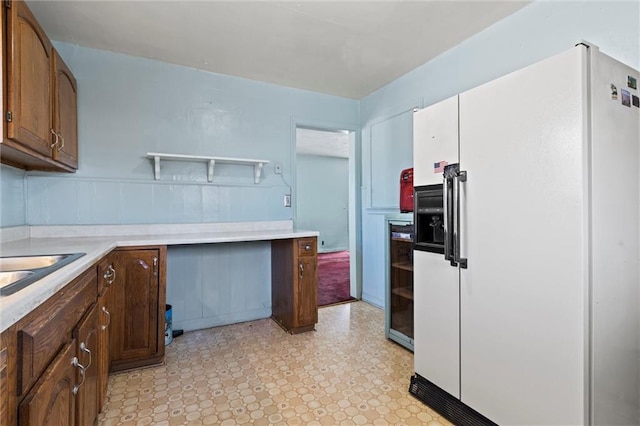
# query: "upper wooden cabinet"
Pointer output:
{"type": "Point", "coordinates": [65, 117]}
{"type": "Point", "coordinates": [40, 109]}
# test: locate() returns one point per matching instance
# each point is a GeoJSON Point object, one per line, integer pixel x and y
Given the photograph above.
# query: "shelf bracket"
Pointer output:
{"type": "Point", "coordinates": [156, 168]}
{"type": "Point", "coordinates": [257, 169]}
{"type": "Point", "coordinates": [210, 170]}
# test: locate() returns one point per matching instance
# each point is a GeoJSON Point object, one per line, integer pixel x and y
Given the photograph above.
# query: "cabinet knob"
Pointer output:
{"type": "Point", "coordinates": [110, 275]}
{"type": "Point", "coordinates": [307, 247]}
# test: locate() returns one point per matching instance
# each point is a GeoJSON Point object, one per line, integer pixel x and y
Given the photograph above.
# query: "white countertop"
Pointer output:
{"type": "Point", "coordinates": [105, 238]}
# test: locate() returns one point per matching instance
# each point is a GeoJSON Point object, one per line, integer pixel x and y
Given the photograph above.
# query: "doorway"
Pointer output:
{"type": "Point", "coordinates": [325, 202]}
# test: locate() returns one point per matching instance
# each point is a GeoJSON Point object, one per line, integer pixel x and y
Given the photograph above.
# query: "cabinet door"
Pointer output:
{"type": "Point", "coordinates": [306, 292]}
{"type": "Point", "coordinates": [28, 81]}
{"type": "Point", "coordinates": [104, 327]}
{"type": "Point", "coordinates": [86, 335]}
{"type": "Point", "coordinates": [65, 122]}
{"type": "Point", "coordinates": [4, 387]}
{"type": "Point", "coordinates": [135, 318]}
{"type": "Point", "coordinates": [51, 401]}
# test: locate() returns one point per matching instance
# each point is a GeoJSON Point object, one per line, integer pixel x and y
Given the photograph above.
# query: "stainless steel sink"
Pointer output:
{"type": "Point", "coordinates": [19, 263]}
{"type": "Point", "coordinates": [8, 278]}
{"type": "Point", "coordinates": [18, 272]}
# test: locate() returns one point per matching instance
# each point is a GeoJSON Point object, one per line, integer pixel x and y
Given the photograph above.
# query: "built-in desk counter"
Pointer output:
{"type": "Point", "coordinates": [97, 241]}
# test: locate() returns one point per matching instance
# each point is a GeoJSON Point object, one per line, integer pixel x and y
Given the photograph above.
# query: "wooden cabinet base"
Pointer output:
{"type": "Point", "coordinates": [294, 284]}
{"type": "Point", "coordinates": [294, 330]}
{"type": "Point", "coordinates": [137, 307]}
{"type": "Point", "coordinates": [131, 365]}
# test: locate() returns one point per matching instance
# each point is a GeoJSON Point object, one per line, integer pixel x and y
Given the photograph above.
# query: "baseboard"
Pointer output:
{"type": "Point", "coordinates": [446, 404]}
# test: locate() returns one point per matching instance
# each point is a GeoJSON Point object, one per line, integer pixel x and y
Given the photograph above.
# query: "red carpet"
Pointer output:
{"type": "Point", "coordinates": [333, 278]}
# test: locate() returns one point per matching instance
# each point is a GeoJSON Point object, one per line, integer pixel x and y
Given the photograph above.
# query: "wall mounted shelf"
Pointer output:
{"type": "Point", "coordinates": [157, 157]}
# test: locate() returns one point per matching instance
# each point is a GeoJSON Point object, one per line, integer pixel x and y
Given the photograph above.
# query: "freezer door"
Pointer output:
{"type": "Point", "coordinates": [435, 141]}
{"type": "Point", "coordinates": [523, 229]}
{"type": "Point", "coordinates": [436, 321]}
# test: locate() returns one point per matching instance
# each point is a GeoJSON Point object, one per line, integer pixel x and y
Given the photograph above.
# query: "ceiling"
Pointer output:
{"type": "Point", "coordinates": [343, 48]}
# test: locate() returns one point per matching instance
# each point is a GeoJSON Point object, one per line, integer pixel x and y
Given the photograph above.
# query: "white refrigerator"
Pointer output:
{"type": "Point", "coordinates": [534, 318]}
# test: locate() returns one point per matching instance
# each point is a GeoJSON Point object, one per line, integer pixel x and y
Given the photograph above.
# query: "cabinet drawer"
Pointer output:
{"type": "Point", "coordinates": [106, 274]}
{"type": "Point", "coordinates": [45, 330]}
{"type": "Point", "coordinates": [306, 247]}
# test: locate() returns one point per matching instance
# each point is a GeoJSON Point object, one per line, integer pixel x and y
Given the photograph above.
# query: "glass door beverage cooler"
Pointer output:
{"type": "Point", "coordinates": [399, 289]}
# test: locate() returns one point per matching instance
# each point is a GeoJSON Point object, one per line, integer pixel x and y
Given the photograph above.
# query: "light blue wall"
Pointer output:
{"type": "Point", "coordinates": [215, 284]}
{"type": "Point", "coordinates": [129, 106]}
{"type": "Point", "coordinates": [531, 34]}
{"type": "Point", "coordinates": [12, 202]}
{"type": "Point", "coordinates": [323, 199]}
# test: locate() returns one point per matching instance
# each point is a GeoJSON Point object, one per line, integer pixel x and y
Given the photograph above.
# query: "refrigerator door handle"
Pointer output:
{"type": "Point", "coordinates": [448, 202]}
{"type": "Point", "coordinates": [461, 176]}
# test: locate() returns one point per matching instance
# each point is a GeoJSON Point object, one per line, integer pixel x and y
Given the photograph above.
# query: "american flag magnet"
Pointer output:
{"type": "Point", "coordinates": [439, 166]}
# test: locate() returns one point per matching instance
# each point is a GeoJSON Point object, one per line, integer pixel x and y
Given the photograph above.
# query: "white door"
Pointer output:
{"type": "Point", "coordinates": [436, 282]}
{"type": "Point", "coordinates": [523, 231]}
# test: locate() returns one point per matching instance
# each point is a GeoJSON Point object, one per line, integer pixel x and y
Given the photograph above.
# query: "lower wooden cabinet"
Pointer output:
{"type": "Point", "coordinates": [294, 283]}
{"type": "Point", "coordinates": [5, 399]}
{"type": "Point", "coordinates": [86, 336]}
{"type": "Point", "coordinates": [104, 331]}
{"type": "Point", "coordinates": [55, 362]}
{"type": "Point", "coordinates": [138, 304]}
{"type": "Point", "coordinates": [52, 400]}
{"type": "Point", "coordinates": [106, 278]}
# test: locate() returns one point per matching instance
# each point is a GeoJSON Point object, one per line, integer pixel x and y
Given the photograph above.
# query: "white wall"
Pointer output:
{"type": "Point", "coordinates": [531, 34]}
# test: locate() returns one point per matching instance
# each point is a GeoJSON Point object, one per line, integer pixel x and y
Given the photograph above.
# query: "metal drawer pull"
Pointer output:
{"type": "Point", "coordinates": [53, 144]}
{"type": "Point", "coordinates": [76, 363]}
{"type": "Point", "coordinates": [307, 247]}
{"type": "Point", "coordinates": [104, 309]}
{"type": "Point", "coordinates": [84, 348]}
{"type": "Point", "coordinates": [110, 275]}
{"type": "Point", "coordinates": [60, 147]}
{"type": "Point", "coordinates": [301, 270]}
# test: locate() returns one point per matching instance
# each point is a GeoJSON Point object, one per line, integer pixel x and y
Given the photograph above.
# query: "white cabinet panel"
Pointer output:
{"type": "Point", "coordinates": [390, 154]}
{"type": "Point", "coordinates": [435, 140]}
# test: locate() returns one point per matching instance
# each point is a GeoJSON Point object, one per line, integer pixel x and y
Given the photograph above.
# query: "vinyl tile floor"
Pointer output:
{"type": "Point", "coordinates": [344, 373]}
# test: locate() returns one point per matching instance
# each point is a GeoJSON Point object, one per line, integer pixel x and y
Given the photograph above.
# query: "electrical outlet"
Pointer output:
{"type": "Point", "coordinates": [277, 168]}
{"type": "Point", "coordinates": [287, 200]}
